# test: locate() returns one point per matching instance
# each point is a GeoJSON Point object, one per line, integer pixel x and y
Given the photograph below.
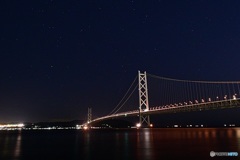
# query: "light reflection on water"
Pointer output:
{"type": "Point", "coordinates": [238, 139]}
{"type": "Point", "coordinates": [10, 145]}
{"type": "Point", "coordinates": [194, 143]}
{"type": "Point", "coordinates": [17, 149]}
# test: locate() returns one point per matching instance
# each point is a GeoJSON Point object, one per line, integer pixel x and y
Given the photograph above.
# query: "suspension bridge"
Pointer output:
{"type": "Point", "coordinates": [175, 96]}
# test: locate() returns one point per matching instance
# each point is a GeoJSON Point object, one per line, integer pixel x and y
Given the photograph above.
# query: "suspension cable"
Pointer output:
{"type": "Point", "coordinates": [126, 100]}
{"type": "Point", "coordinates": [123, 96]}
{"type": "Point", "coordinates": [178, 80]}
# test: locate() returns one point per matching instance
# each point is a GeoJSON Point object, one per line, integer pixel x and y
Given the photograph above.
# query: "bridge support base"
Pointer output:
{"type": "Point", "coordinates": [144, 121]}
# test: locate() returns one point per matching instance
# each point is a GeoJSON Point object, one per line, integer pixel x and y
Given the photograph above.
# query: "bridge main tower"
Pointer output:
{"type": "Point", "coordinates": [89, 115]}
{"type": "Point", "coordinates": [144, 119]}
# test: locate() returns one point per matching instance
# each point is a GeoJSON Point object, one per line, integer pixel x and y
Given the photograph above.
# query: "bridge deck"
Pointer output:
{"type": "Point", "coordinates": [221, 104]}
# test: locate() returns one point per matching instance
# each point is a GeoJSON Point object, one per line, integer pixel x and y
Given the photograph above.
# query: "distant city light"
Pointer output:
{"type": "Point", "coordinates": [11, 126]}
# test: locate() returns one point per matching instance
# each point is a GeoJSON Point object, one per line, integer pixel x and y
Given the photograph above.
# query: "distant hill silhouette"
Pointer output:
{"type": "Point", "coordinates": [72, 123]}
{"type": "Point", "coordinates": [114, 123]}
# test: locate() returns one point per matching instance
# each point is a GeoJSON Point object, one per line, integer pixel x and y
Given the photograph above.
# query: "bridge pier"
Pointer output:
{"type": "Point", "coordinates": [144, 121]}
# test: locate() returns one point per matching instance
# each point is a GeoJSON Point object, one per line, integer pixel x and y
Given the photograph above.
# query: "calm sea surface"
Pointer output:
{"type": "Point", "coordinates": [146, 144]}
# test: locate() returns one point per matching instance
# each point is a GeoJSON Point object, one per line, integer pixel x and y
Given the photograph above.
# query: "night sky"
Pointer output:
{"type": "Point", "coordinates": [57, 58]}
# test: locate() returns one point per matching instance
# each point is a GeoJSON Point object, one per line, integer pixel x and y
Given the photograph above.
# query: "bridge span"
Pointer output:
{"type": "Point", "coordinates": [225, 95]}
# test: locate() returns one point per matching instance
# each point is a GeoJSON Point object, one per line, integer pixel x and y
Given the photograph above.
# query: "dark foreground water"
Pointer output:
{"type": "Point", "coordinates": [146, 144]}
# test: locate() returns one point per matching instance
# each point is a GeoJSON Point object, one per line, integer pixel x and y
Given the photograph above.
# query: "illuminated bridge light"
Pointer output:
{"type": "Point", "coordinates": [138, 125]}
{"type": "Point", "coordinates": [225, 97]}
{"type": "Point", "coordinates": [85, 127]}
{"type": "Point", "coordinates": [234, 96]}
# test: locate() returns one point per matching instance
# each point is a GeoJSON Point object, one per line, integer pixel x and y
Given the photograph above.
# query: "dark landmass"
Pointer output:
{"type": "Point", "coordinates": [111, 123]}
{"type": "Point", "coordinates": [53, 124]}
{"type": "Point", "coordinates": [114, 123]}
